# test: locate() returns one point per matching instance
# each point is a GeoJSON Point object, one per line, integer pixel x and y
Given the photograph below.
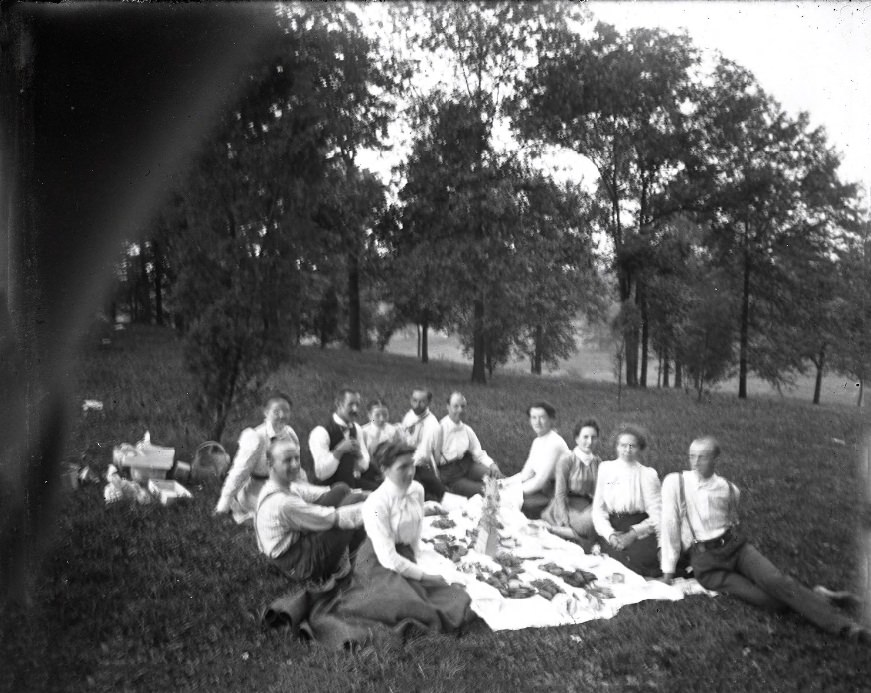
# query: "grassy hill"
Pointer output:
{"type": "Point", "coordinates": [152, 598]}
{"type": "Point", "coordinates": [593, 361]}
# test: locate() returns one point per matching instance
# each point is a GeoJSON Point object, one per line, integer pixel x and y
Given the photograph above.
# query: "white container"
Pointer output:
{"type": "Point", "coordinates": [167, 492]}
{"type": "Point", "coordinates": [147, 461]}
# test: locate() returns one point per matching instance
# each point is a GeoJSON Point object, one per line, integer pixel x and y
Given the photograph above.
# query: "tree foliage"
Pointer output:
{"type": "Point", "coordinates": [270, 200]}
{"type": "Point", "coordinates": [619, 101]}
{"type": "Point", "coordinates": [767, 187]}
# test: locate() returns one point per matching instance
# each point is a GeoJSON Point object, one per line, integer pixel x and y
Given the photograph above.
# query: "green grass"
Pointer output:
{"type": "Point", "coordinates": [153, 598]}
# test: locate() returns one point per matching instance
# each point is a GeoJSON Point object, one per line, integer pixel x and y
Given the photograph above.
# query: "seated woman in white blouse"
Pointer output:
{"type": "Point", "coordinates": [538, 471]}
{"type": "Point", "coordinates": [387, 584]}
{"type": "Point", "coordinates": [570, 513]}
{"type": "Point", "coordinates": [627, 505]}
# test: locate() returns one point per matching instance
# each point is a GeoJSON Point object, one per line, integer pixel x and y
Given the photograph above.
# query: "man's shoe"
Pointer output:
{"type": "Point", "coordinates": [839, 598]}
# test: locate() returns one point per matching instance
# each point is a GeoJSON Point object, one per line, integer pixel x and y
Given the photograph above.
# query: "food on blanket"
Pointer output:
{"type": "Point", "coordinates": [433, 508]}
{"type": "Point", "coordinates": [444, 523]}
{"type": "Point", "coordinates": [599, 592]}
{"type": "Point", "coordinates": [450, 549]}
{"type": "Point", "coordinates": [547, 588]}
{"type": "Point", "coordinates": [507, 559]}
{"type": "Point", "coordinates": [506, 581]}
{"type": "Point", "coordinates": [575, 578]}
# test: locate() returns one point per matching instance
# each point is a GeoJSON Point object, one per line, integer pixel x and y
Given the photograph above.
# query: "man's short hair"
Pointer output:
{"type": "Point", "coordinates": [455, 392]}
{"type": "Point", "coordinates": [276, 446]}
{"type": "Point", "coordinates": [428, 393]}
{"type": "Point", "coordinates": [342, 394]}
{"type": "Point", "coordinates": [713, 442]}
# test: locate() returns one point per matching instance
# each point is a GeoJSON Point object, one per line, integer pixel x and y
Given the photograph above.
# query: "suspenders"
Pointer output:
{"type": "Point", "coordinates": [260, 502]}
{"type": "Point", "coordinates": [733, 508]}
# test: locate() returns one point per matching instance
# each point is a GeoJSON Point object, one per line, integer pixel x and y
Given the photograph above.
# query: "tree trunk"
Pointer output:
{"type": "Point", "coordinates": [860, 400]}
{"type": "Point", "coordinates": [296, 305]}
{"type": "Point", "coordinates": [820, 363]}
{"type": "Point", "coordinates": [417, 325]}
{"type": "Point", "coordinates": [665, 368]}
{"type": "Point", "coordinates": [144, 284]}
{"type": "Point", "coordinates": [744, 341]}
{"type": "Point", "coordinates": [158, 283]}
{"type": "Point", "coordinates": [641, 299]}
{"type": "Point", "coordinates": [678, 375]}
{"type": "Point", "coordinates": [424, 340]}
{"type": "Point", "coordinates": [630, 333]}
{"type": "Point", "coordinates": [536, 353]}
{"type": "Point", "coordinates": [478, 373]}
{"type": "Point", "coordinates": [631, 357]}
{"type": "Point", "coordinates": [354, 337]}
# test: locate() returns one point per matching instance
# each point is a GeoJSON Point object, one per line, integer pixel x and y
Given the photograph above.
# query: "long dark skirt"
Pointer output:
{"type": "Point", "coordinates": [643, 555]}
{"type": "Point", "coordinates": [373, 605]}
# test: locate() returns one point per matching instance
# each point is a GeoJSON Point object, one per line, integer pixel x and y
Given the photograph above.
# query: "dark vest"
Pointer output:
{"type": "Point", "coordinates": [346, 461]}
{"type": "Point", "coordinates": [337, 433]}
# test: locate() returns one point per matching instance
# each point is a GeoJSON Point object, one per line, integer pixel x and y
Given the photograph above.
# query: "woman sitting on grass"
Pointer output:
{"type": "Point", "coordinates": [387, 585]}
{"type": "Point", "coordinates": [570, 513]}
{"type": "Point", "coordinates": [548, 447]}
{"type": "Point", "coordinates": [250, 470]}
{"type": "Point", "coordinates": [627, 505]}
{"type": "Point", "coordinates": [388, 594]}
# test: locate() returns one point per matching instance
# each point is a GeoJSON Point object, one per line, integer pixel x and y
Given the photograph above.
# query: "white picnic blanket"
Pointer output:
{"type": "Point", "coordinates": [530, 542]}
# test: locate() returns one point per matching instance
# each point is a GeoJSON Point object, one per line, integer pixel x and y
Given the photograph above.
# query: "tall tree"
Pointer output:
{"type": "Point", "coordinates": [851, 353]}
{"type": "Point", "coordinates": [767, 186]}
{"type": "Point", "coordinates": [251, 241]}
{"type": "Point", "coordinates": [486, 45]}
{"type": "Point", "coordinates": [618, 100]}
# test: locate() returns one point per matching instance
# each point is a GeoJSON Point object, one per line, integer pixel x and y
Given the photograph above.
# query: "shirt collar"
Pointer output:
{"type": "Point", "coordinates": [710, 482]}
{"type": "Point", "coordinates": [339, 420]}
{"type": "Point", "coordinates": [580, 456]}
{"type": "Point", "coordinates": [271, 432]}
{"type": "Point", "coordinates": [421, 417]}
{"type": "Point", "coordinates": [393, 490]}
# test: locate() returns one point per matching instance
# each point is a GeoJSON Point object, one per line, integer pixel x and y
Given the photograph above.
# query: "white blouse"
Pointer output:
{"type": "Point", "coordinates": [539, 468]}
{"type": "Point", "coordinates": [392, 515]}
{"type": "Point", "coordinates": [627, 487]}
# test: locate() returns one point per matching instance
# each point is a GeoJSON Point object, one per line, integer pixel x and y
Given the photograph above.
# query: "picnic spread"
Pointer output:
{"type": "Point", "coordinates": [535, 578]}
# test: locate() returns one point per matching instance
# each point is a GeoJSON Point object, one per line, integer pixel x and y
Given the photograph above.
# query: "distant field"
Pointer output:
{"type": "Point", "coordinates": [593, 363]}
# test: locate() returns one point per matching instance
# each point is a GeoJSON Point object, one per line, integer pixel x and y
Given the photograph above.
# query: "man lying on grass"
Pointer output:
{"type": "Point", "coordinates": [305, 530]}
{"type": "Point", "coordinates": [700, 515]}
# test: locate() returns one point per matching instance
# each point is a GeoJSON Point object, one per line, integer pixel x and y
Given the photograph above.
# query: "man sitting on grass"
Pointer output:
{"type": "Point", "coordinates": [700, 515]}
{"type": "Point", "coordinates": [462, 463]}
{"type": "Point", "coordinates": [338, 450]}
{"type": "Point", "coordinates": [422, 431]}
{"type": "Point", "coordinates": [303, 530]}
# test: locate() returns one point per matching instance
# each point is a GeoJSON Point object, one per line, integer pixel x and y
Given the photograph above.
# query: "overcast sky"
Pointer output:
{"type": "Point", "coordinates": [811, 56]}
